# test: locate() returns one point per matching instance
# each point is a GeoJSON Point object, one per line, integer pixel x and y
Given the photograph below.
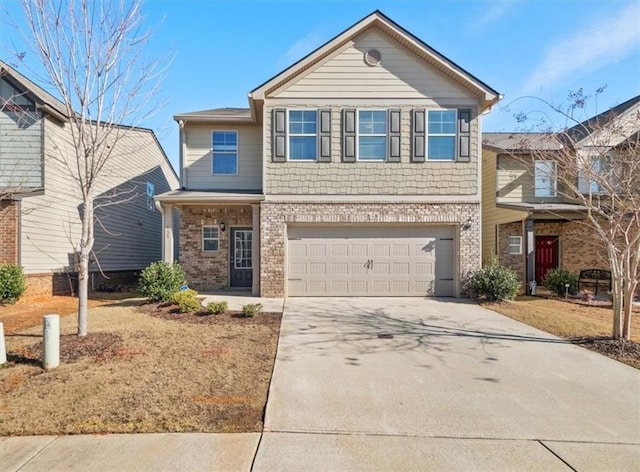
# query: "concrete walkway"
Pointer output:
{"type": "Point", "coordinates": [411, 384]}
{"type": "Point", "coordinates": [397, 384]}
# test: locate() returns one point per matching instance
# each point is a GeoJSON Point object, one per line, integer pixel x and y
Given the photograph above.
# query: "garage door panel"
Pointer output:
{"type": "Point", "coordinates": [371, 261]}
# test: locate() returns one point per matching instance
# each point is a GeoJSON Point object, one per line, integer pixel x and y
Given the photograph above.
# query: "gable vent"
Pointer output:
{"type": "Point", "coordinates": [372, 57]}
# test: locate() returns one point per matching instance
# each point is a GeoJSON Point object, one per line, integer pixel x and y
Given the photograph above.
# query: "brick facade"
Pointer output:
{"type": "Point", "coordinates": [516, 262]}
{"type": "Point", "coordinates": [276, 215]}
{"type": "Point", "coordinates": [209, 271]}
{"type": "Point", "coordinates": [9, 232]}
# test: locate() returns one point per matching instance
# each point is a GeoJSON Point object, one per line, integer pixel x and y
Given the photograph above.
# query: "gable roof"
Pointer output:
{"type": "Point", "coordinates": [520, 143]}
{"type": "Point", "coordinates": [488, 95]}
{"type": "Point", "coordinates": [44, 100]}
{"type": "Point", "coordinates": [217, 115]}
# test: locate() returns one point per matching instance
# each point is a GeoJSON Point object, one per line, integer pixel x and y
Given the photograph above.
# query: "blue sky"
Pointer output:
{"type": "Point", "coordinates": [224, 49]}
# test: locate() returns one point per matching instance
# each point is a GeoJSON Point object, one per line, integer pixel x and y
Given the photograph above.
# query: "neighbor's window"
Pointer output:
{"type": "Point", "coordinates": [441, 136]}
{"type": "Point", "coordinates": [514, 244]}
{"type": "Point", "coordinates": [225, 152]}
{"type": "Point", "coordinates": [303, 129]}
{"type": "Point", "coordinates": [545, 179]}
{"type": "Point", "coordinates": [210, 239]}
{"type": "Point", "coordinates": [372, 135]}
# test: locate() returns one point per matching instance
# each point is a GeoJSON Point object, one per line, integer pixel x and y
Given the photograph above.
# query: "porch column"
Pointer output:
{"type": "Point", "coordinates": [167, 230]}
{"type": "Point", "coordinates": [255, 252]}
{"type": "Point", "coordinates": [530, 252]}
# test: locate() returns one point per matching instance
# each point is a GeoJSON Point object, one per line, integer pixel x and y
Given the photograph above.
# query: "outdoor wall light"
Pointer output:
{"type": "Point", "coordinates": [467, 225]}
{"type": "Point", "coordinates": [222, 226]}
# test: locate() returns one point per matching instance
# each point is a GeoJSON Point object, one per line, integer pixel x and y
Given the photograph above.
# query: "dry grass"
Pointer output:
{"type": "Point", "coordinates": [573, 321]}
{"type": "Point", "coordinates": [141, 373]}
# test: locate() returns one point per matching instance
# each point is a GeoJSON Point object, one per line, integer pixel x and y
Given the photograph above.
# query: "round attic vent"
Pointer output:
{"type": "Point", "coordinates": [372, 57]}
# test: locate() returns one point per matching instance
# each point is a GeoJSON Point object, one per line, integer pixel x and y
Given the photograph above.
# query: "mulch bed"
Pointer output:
{"type": "Point", "coordinates": [620, 350]}
{"type": "Point", "coordinates": [100, 346]}
{"type": "Point", "coordinates": [170, 312]}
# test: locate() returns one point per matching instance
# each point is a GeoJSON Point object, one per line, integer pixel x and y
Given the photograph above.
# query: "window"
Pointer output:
{"type": "Point", "coordinates": [545, 179]}
{"type": "Point", "coordinates": [225, 152]}
{"type": "Point", "coordinates": [372, 135]}
{"type": "Point", "coordinates": [441, 136]}
{"type": "Point", "coordinates": [514, 245]}
{"type": "Point", "coordinates": [210, 238]}
{"type": "Point", "coordinates": [303, 129]}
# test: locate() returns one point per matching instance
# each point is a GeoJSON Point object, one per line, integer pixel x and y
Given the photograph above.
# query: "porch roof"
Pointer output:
{"type": "Point", "coordinates": [553, 208]}
{"type": "Point", "coordinates": [202, 197]}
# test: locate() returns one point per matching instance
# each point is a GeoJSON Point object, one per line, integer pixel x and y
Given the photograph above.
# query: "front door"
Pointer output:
{"type": "Point", "coordinates": [241, 252]}
{"type": "Point", "coordinates": [546, 256]}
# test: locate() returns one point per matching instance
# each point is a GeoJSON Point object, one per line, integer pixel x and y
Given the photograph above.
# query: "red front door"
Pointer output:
{"type": "Point", "coordinates": [546, 256]}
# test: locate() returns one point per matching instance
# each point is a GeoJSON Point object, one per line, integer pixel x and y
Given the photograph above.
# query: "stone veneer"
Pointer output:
{"type": "Point", "coordinates": [209, 271]}
{"type": "Point", "coordinates": [370, 178]}
{"type": "Point", "coordinates": [274, 217]}
{"type": "Point", "coordinates": [8, 232]}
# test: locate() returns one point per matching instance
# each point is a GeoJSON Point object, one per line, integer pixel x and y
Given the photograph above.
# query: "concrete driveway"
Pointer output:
{"type": "Point", "coordinates": [412, 384]}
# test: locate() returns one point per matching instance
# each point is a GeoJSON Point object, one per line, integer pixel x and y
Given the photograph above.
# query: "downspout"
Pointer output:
{"type": "Point", "coordinates": [183, 168]}
{"type": "Point", "coordinates": [530, 261]}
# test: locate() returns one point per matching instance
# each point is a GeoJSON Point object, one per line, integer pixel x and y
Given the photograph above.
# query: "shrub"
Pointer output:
{"type": "Point", "coordinates": [494, 282]}
{"type": "Point", "coordinates": [12, 283]}
{"type": "Point", "coordinates": [186, 300]}
{"type": "Point", "coordinates": [556, 280]}
{"type": "Point", "coordinates": [160, 280]}
{"type": "Point", "coordinates": [252, 309]}
{"type": "Point", "coordinates": [217, 308]}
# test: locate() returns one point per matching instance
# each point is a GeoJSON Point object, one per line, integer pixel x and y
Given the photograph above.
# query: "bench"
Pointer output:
{"type": "Point", "coordinates": [595, 277]}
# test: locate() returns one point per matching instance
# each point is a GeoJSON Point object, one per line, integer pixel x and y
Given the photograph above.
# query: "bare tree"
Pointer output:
{"type": "Point", "coordinates": [92, 55]}
{"type": "Point", "coordinates": [598, 168]}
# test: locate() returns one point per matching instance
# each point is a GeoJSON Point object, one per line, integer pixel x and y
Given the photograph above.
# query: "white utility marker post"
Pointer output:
{"type": "Point", "coordinates": [51, 341]}
{"type": "Point", "coordinates": [3, 347]}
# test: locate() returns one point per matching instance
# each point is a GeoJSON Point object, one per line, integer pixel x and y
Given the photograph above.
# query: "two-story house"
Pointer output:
{"type": "Point", "coordinates": [40, 202]}
{"type": "Point", "coordinates": [531, 221]}
{"type": "Point", "coordinates": [356, 171]}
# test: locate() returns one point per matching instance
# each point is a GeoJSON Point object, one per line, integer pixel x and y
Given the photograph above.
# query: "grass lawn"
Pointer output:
{"type": "Point", "coordinates": [141, 369]}
{"type": "Point", "coordinates": [588, 325]}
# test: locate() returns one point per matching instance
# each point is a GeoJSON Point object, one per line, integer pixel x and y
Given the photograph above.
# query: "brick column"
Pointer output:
{"type": "Point", "coordinates": [9, 232]}
{"type": "Point", "coordinates": [255, 255]}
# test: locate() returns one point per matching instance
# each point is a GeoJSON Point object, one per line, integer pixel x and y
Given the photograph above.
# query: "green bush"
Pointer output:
{"type": "Point", "coordinates": [160, 280]}
{"type": "Point", "coordinates": [186, 300]}
{"type": "Point", "coordinates": [556, 280]}
{"type": "Point", "coordinates": [217, 308]}
{"type": "Point", "coordinates": [252, 309]}
{"type": "Point", "coordinates": [494, 282]}
{"type": "Point", "coordinates": [12, 283]}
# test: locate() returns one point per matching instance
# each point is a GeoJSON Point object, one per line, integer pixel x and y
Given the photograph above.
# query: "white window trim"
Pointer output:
{"type": "Point", "coordinates": [237, 151]}
{"type": "Point", "coordinates": [511, 251]}
{"type": "Point", "coordinates": [385, 135]}
{"type": "Point", "coordinates": [288, 134]}
{"type": "Point", "coordinates": [454, 134]}
{"type": "Point", "coordinates": [553, 179]}
{"type": "Point", "coordinates": [217, 227]}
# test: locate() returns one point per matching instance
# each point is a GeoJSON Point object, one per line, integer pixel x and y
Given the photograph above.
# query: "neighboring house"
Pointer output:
{"type": "Point", "coordinates": [530, 222]}
{"type": "Point", "coordinates": [356, 171]}
{"type": "Point", "coordinates": [39, 202]}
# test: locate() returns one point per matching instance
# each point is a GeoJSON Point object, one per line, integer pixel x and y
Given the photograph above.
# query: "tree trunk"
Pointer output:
{"type": "Point", "coordinates": [86, 245]}
{"type": "Point", "coordinates": [618, 300]}
{"type": "Point", "coordinates": [628, 309]}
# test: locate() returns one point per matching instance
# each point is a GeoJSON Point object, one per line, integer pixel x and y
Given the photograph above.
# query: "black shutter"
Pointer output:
{"type": "Point", "coordinates": [418, 135]}
{"type": "Point", "coordinates": [348, 135]}
{"type": "Point", "coordinates": [464, 135]}
{"type": "Point", "coordinates": [393, 136]}
{"type": "Point", "coordinates": [324, 135]}
{"type": "Point", "coordinates": [279, 135]}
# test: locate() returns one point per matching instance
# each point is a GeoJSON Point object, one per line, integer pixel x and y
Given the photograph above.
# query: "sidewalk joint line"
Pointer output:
{"type": "Point", "coordinates": [558, 456]}
{"type": "Point", "coordinates": [38, 452]}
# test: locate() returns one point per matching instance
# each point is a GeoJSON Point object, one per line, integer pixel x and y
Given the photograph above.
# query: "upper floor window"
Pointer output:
{"type": "Point", "coordinates": [441, 135]}
{"type": "Point", "coordinates": [303, 135]}
{"type": "Point", "coordinates": [372, 135]}
{"type": "Point", "coordinates": [225, 152]}
{"type": "Point", "coordinates": [545, 179]}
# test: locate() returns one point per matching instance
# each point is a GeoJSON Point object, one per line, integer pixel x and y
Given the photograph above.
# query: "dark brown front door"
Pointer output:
{"type": "Point", "coordinates": [241, 257]}
{"type": "Point", "coordinates": [546, 256]}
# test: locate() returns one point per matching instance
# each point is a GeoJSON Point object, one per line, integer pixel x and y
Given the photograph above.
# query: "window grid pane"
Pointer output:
{"type": "Point", "coordinates": [303, 126]}
{"type": "Point", "coordinates": [545, 180]}
{"type": "Point", "coordinates": [441, 129]}
{"type": "Point", "coordinates": [209, 238]}
{"type": "Point", "coordinates": [372, 135]}
{"type": "Point", "coordinates": [225, 152]}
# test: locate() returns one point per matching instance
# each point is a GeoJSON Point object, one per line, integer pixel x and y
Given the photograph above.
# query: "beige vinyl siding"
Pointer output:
{"type": "Point", "coordinates": [127, 235]}
{"type": "Point", "coordinates": [198, 159]}
{"type": "Point", "coordinates": [491, 214]}
{"type": "Point", "coordinates": [371, 178]}
{"type": "Point", "coordinates": [516, 181]}
{"type": "Point", "coordinates": [400, 74]}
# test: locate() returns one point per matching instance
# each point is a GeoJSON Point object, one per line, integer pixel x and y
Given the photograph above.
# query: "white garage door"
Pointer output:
{"type": "Point", "coordinates": [370, 261]}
